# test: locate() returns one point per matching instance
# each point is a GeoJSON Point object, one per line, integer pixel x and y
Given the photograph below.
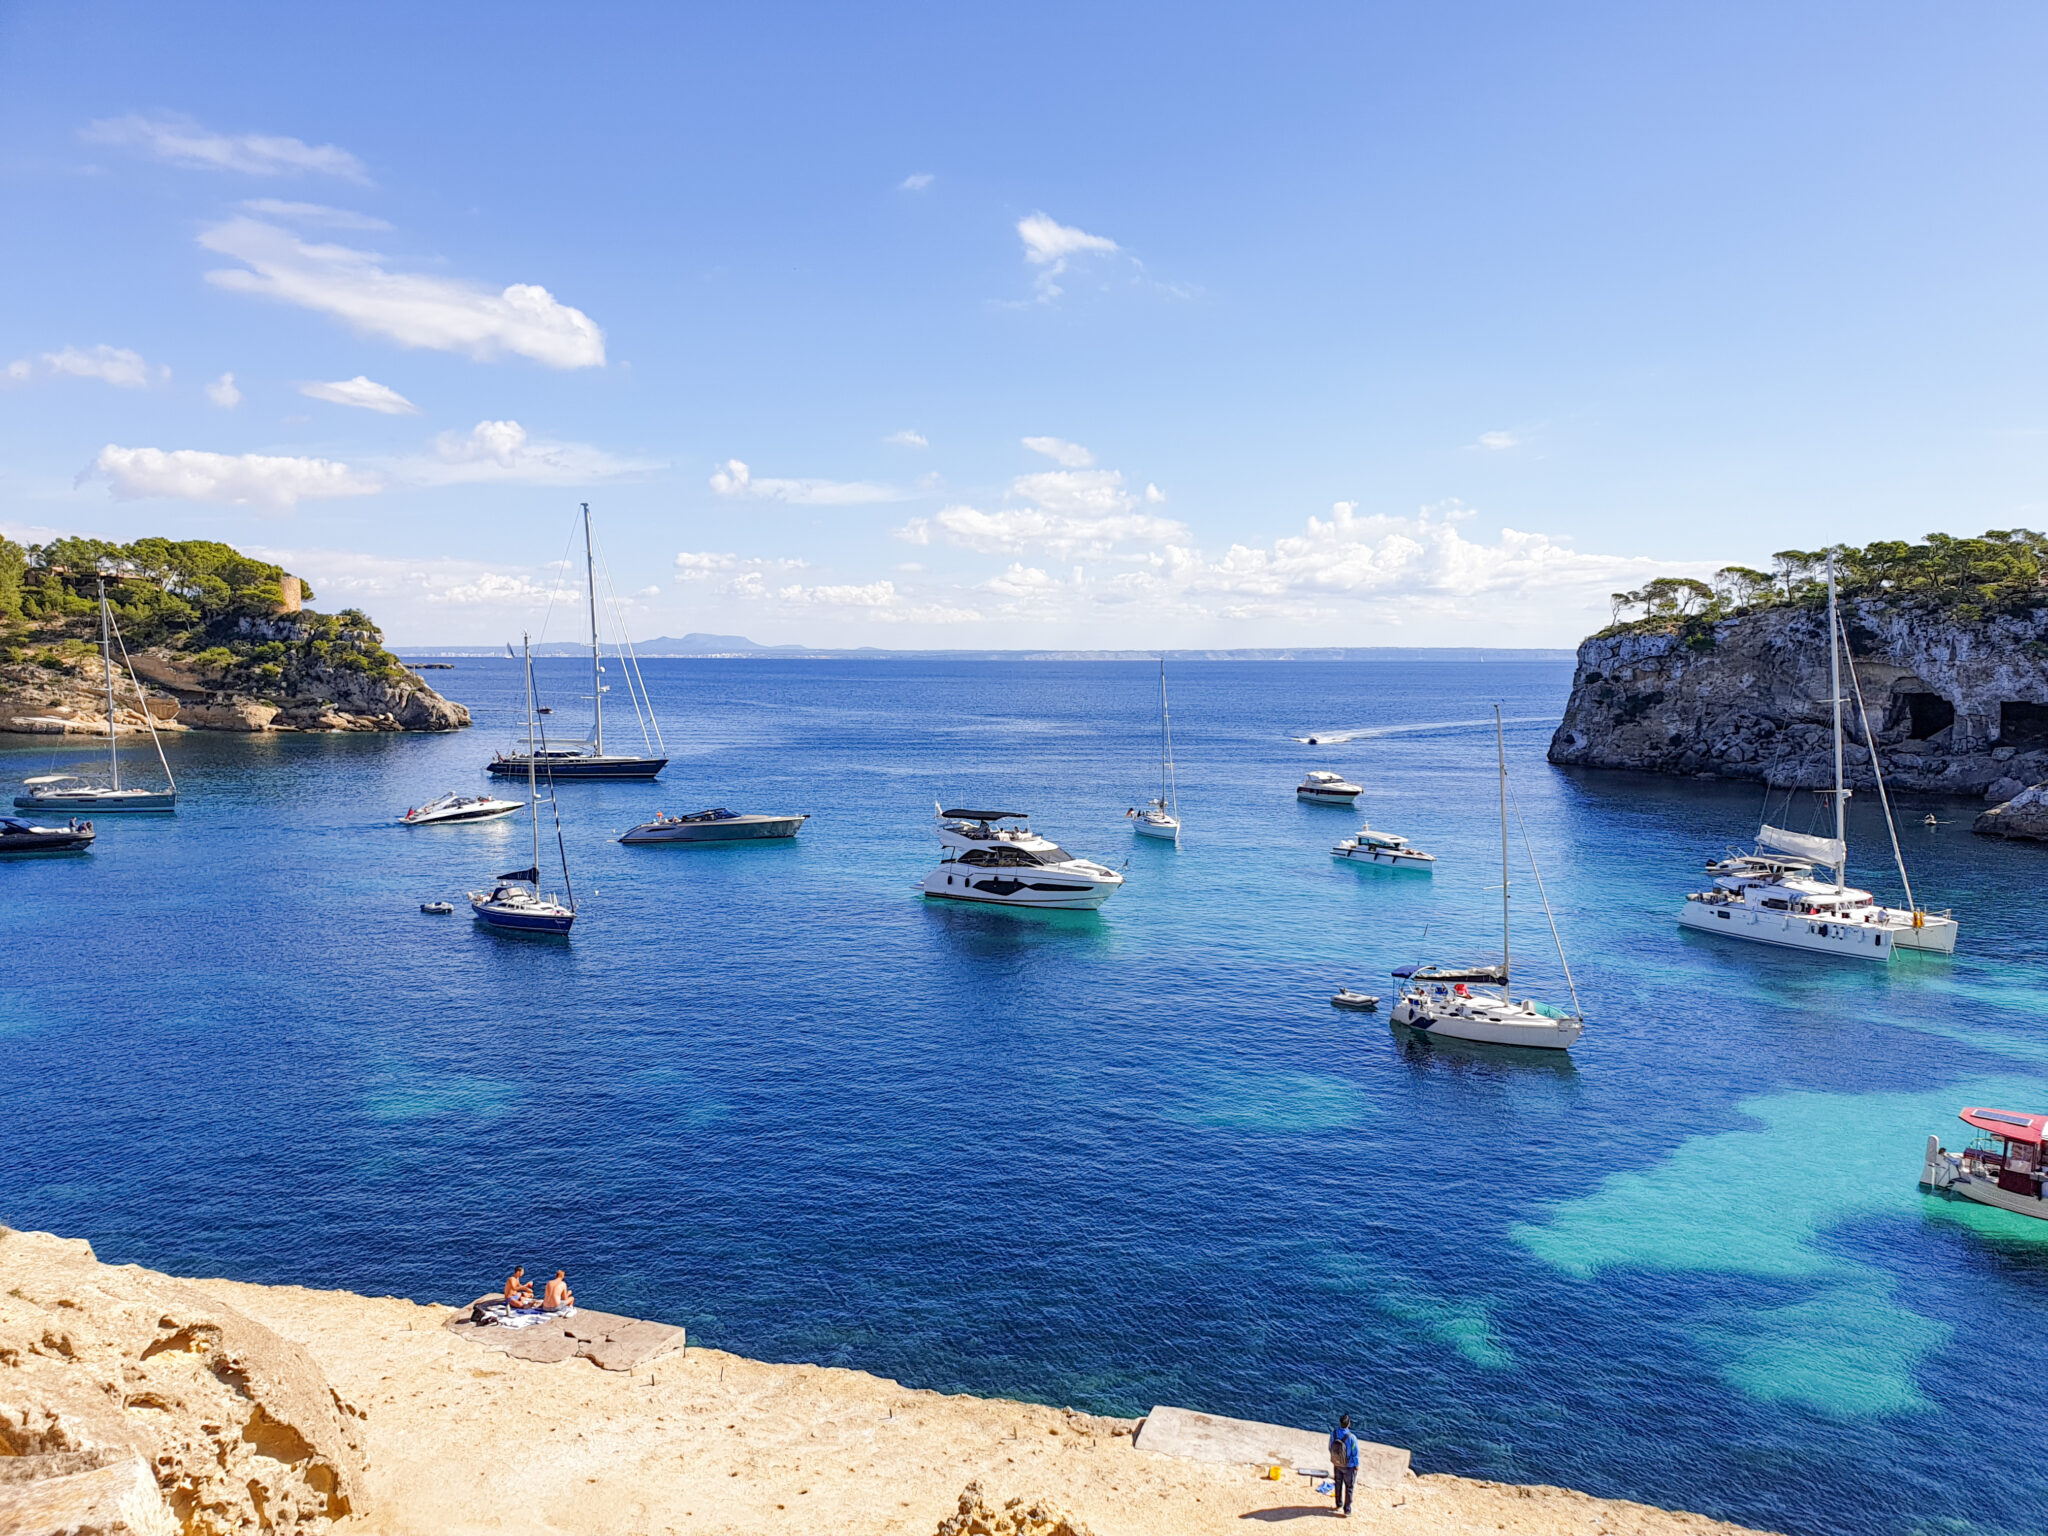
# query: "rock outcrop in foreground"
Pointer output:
{"type": "Point", "coordinates": [158, 1406]}
{"type": "Point", "coordinates": [2024, 816]}
{"type": "Point", "coordinates": [276, 1409]}
{"type": "Point", "coordinates": [1959, 706]}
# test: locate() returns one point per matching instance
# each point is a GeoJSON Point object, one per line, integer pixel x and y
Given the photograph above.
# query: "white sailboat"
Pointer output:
{"type": "Point", "coordinates": [69, 792]}
{"type": "Point", "coordinates": [516, 902]}
{"type": "Point", "coordinates": [1796, 895]}
{"type": "Point", "coordinates": [1442, 1000]}
{"type": "Point", "coordinates": [1160, 818]}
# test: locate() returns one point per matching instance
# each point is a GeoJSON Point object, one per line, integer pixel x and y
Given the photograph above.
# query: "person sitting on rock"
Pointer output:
{"type": "Point", "coordinates": [517, 1292]}
{"type": "Point", "coordinates": [558, 1296]}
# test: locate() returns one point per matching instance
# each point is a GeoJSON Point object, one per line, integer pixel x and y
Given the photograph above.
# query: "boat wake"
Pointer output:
{"type": "Point", "coordinates": [1369, 732]}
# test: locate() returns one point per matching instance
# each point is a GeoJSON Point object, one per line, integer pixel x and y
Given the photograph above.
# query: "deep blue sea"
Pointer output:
{"type": "Point", "coordinates": [1105, 1160]}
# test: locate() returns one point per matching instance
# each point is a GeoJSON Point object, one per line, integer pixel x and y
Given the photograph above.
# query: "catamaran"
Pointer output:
{"type": "Point", "coordinates": [516, 902]}
{"type": "Point", "coordinates": [1792, 891]}
{"type": "Point", "coordinates": [1441, 1001]}
{"type": "Point", "coordinates": [69, 792]}
{"type": "Point", "coordinates": [1160, 818]}
{"type": "Point", "coordinates": [589, 759]}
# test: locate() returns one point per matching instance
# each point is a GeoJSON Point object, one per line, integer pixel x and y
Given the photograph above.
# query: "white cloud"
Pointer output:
{"type": "Point", "coordinates": [222, 392]}
{"type": "Point", "coordinates": [876, 594]}
{"type": "Point", "coordinates": [1015, 529]}
{"type": "Point", "coordinates": [362, 393]}
{"type": "Point", "coordinates": [268, 482]}
{"type": "Point", "coordinates": [878, 601]}
{"type": "Point", "coordinates": [502, 452]}
{"type": "Point", "coordinates": [1496, 442]}
{"type": "Point", "coordinates": [113, 365]}
{"type": "Point", "coordinates": [180, 141]}
{"type": "Point", "coordinates": [648, 592]}
{"type": "Point", "coordinates": [313, 213]}
{"type": "Point", "coordinates": [1050, 245]}
{"type": "Point", "coordinates": [500, 590]}
{"type": "Point", "coordinates": [17, 372]}
{"type": "Point", "coordinates": [734, 478]}
{"type": "Point", "coordinates": [916, 182]}
{"type": "Point", "coordinates": [1153, 495]}
{"type": "Point", "coordinates": [412, 309]}
{"type": "Point", "coordinates": [692, 567]}
{"type": "Point", "coordinates": [908, 438]}
{"type": "Point", "coordinates": [1060, 451]}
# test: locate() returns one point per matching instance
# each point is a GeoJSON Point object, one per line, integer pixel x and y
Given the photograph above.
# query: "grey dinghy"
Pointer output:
{"type": "Point", "coordinates": [20, 838]}
{"type": "Point", "coordinates": [719, 826]}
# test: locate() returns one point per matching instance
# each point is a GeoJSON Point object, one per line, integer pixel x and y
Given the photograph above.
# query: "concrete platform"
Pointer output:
{"type": "Point", "coordinates": [1210, 1437]}
{"type": "Point", "coordinates": [605, 1339]}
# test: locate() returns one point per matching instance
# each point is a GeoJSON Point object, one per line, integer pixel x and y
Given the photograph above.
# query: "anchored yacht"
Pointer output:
{"type": "Point", "coordinates": [454, 807]}
{"type": "Point", "coordinates": [1012, 866]}
{"type": "Point", "coordinates": [1320, 788]}
{"type": "Point", "coordinates": [715, 826]}
{"type": "Point", "coordinates": [1161, 817]}
{"type": "Point", "coordinates": [1770, 898]}
{"type": "Point", "coordinates": [1370, 847]}
{"type": "Point", "coordinates": [56, 792]}
{"type": "Point", "coordinates": [2013, 1175]}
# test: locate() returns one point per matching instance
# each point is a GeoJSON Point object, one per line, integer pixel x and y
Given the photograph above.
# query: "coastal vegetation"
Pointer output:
{"type": "Point", "coordinates": [1967, 579]}
{"type": "Point", "coordinates": [223, 613]}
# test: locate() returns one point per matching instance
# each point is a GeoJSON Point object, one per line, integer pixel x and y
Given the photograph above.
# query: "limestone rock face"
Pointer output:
{"type": "Point", "coordinates": [1016, 1518]}
{"type": "Point", "coordinates": [237, 1426]}
{"type": "Point", "coordinates": [1955, 706]}
{"type": "Point", "coordinates": [229, 712]}
{"type": "Point", "coordinates": [2024, 815]}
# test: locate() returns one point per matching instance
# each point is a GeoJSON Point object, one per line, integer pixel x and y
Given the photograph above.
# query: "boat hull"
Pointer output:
{"type": "Point", "coordinates": [1384, 859]}
{"type": "Point", "coordinates": [1944, 1171]}
{"type": "Point", "coordinates": [738, 829]}
{"type": "Point", "coordinates": [1790, 930]}
{"type": "Point", "coordinates": [997, 889]}
{"type": "Point", "coordinates": [1484, 1027]}
{"type": "Point", "coordinates": [454, 818]}
{"type": "Point", "coordinates": [1166, 832]}
{"type": "Point", "coordinates": [1935, 935]}
{"type": "Point", "coordinates": [107, 802]}
{"type": "Point", "coordinates": [34, 847]}
{"type": "Point", "coordinates": [1324, 797]}
{"type": "Point", "coordinates": [523, 920]}
{"type": "Point", "coordinates": [559, 768]}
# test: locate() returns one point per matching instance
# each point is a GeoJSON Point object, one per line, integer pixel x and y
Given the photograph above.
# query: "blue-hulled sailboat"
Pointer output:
{"type": "Point", "coordinates": [516, 903]}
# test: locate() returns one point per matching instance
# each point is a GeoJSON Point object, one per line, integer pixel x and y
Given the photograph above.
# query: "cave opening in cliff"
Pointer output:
{"type": "Point", "coordinates": [2023, 725]}
{"type": "Point", "coordinates": [1927, 714]}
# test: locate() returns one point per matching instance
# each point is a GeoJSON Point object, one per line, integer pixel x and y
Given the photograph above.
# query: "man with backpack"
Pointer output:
{"type": "Point", "coordinates": [1344, 1463]}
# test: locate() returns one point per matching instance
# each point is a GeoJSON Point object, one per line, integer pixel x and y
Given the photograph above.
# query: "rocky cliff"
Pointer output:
{"type": "Point", "coordinates": [1958, 704]}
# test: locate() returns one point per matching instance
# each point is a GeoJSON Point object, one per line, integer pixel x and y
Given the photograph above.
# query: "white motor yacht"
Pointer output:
{"type": "Point", "coordinates": [1804, 901]}
{"type": "Point", "coordinates": [454, 807]}
{"type": "Point", "coordinates": [1370, 847]}
{"type": "Point", "coordinates": [1320, 788]}
{"type": "Point", "coordinates": [1012, 866]}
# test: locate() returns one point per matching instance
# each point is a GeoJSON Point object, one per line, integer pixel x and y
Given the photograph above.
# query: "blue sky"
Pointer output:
{"type": "Point", "coordinates": [1060, 325]}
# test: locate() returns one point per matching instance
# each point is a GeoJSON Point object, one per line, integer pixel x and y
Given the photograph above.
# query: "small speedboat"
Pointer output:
{"type": "Point", "coordinates": [1370, 847]}
{"type": "Point", "coordinates": [454, 807]}
{"type": "Point", "coordinates": [1012, 866]}
{"type": "Point", "coordinates": [2007, 1174]}
{"type": "Point", "coordinates": [437, 908]}
{"type": "Point", "coordinates": [1357, 1002]}
{"type": "Point", "coordinates": [719, 826]}
{"type": "Point", "coordinates": [1320, 788]}
{"type": "Point", "coordinates": [20, 838]}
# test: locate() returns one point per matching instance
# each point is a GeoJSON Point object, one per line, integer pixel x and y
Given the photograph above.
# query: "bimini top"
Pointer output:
{"type": "Point", "coordinates": [1489, 975]}
{"type": "Point", "coordinates": [2005, 1123]}
{"type": "Point", "coordinates": [54, 778]}
{"type": "Point", "coordinates": [981, 815]}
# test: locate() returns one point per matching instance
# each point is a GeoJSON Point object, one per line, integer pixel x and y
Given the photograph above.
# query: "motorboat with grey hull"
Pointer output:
{"type": "Point", "coordinates": [717, 826]}
{"type": "Point", "coordinates": [24, 839]}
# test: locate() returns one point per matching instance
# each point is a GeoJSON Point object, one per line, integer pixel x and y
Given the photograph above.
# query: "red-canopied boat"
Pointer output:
{"type": "Point", "coordinates": [2002, 1166]}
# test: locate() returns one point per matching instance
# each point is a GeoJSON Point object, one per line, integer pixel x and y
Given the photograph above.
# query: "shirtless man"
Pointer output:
{"type": "Point", "coordinates": [558, 1294]}
{"type": "Point", "coordinates": [517, 1292]}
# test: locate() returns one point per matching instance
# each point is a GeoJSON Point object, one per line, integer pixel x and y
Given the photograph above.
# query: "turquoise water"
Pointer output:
{"type": "Point", "coordinates": [1109, 1160]}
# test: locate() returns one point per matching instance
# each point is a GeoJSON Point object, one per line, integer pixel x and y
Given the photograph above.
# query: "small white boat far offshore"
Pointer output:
{"type": "Point", "coordinates": [719, 826]}
{"type": "Point", "coordinates": [1012, 866]}
{"type": "Point", "coordinates": [2008, 1175]}
{"type": "Point", "coordinates": [1383, 848]}
{"type": "Point", "coordinates": [1321, 788]}
{"type": "Point", "coordinates": [453, 807]}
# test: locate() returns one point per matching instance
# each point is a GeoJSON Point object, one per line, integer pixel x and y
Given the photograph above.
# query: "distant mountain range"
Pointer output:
{"type": "Point", "coordinates": [740, 646]}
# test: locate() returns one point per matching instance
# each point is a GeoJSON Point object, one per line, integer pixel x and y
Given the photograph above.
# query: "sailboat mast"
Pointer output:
{"type": "Point", "coordinates": [107, 656]}
{"type": "Point", "coordinates": [1835, 685]}
{"type": "Point", "coordinates": [1500, 747]}
{"type": "Point", "coordinates": [532, 773]}
{"type": "Point", "coordinates": [596, 661]}
{"type": "Point", "coordinates": [1165, 741]}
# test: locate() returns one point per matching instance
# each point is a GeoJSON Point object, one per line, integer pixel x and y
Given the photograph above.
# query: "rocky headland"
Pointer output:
{"type": "Point", "coordinates": [1956, 689]}
{"type": "Point", "coordinates": [218, 640]}
{"type": "Point", "coordinates": [132, 1402]}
